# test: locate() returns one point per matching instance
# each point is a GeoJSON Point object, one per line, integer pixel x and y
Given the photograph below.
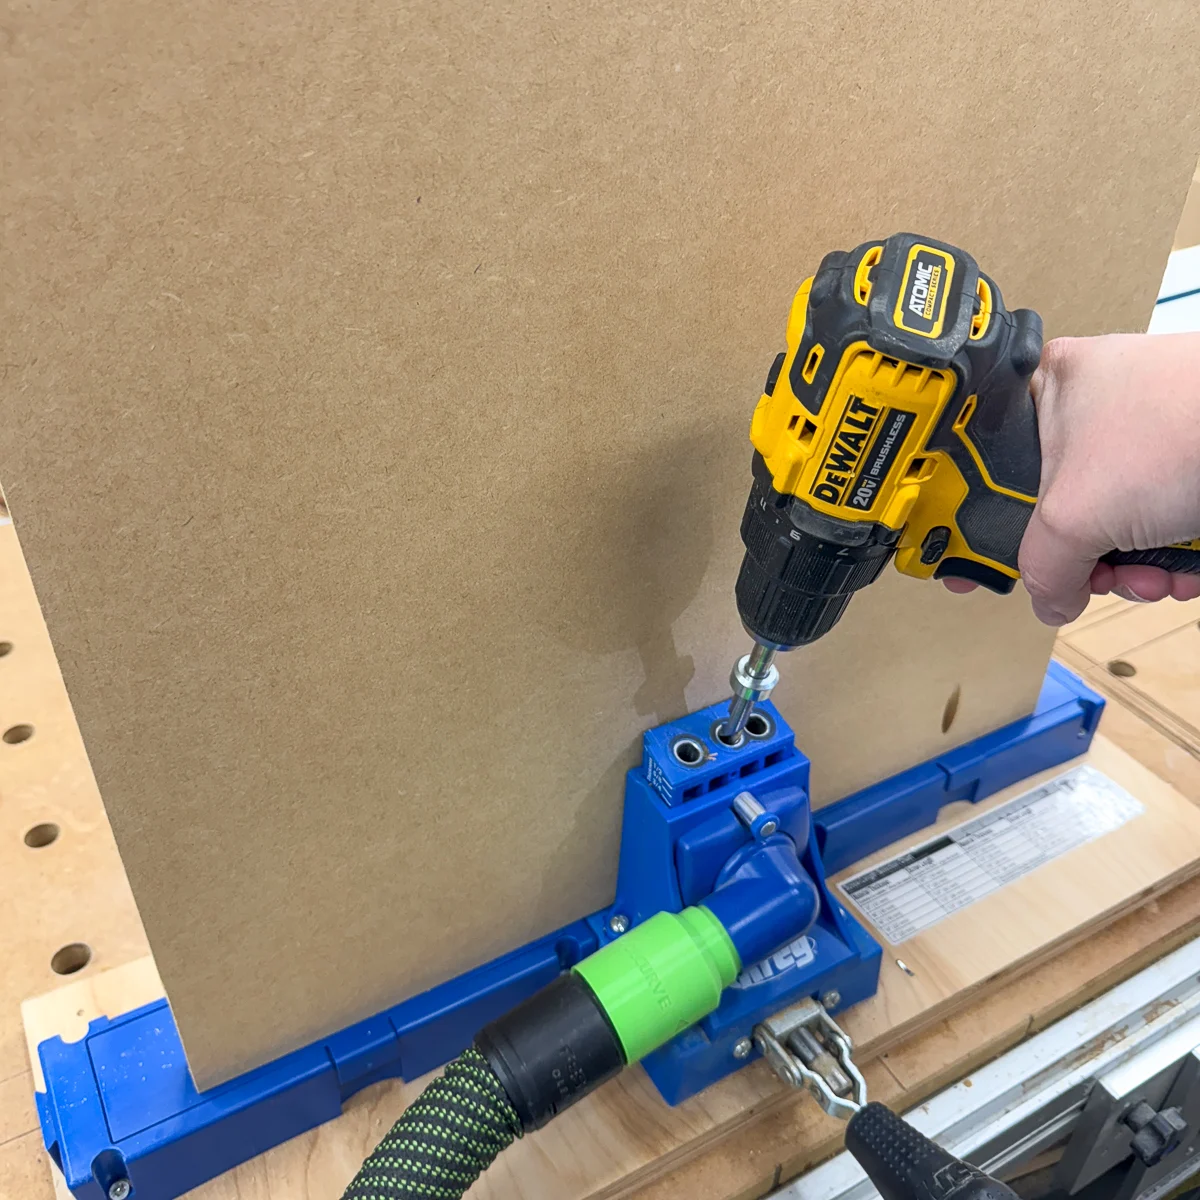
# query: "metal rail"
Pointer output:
{"type": "Point", "coordinates": [1134, 1039]}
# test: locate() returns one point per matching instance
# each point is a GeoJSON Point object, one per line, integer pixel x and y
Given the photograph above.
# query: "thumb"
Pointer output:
{"type": "Point", "coordinates": [1056, 570]}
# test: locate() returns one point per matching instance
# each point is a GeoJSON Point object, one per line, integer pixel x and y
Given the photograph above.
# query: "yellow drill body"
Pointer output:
{"type": "Point", "coordinates": [897, 425]}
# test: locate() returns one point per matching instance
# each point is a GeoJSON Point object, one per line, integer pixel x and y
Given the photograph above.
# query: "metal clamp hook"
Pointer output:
{"type": "Point", "coordinates": [808, 1050]}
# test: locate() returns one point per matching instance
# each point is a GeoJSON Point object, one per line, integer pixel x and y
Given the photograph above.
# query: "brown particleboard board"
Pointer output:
{"type": "Point", "coordinates": [72, 889]}
{"type": "Point", "coordinates": [1143, 655]}
{"type": "Point", "coordinates": [1164, 673]}
{"type": "Point", "coordinates": [1099, 608]}
{"type": "Point", "coordinates": [624, 1136]}
{"type": "Point", "coordinates": [1126, 627]}
{"type": "Point", "coordinates": [67, 891]}
{"type": "Point", "coordinates": [378, 432]}
{"type": "Point", "coordinates": [1188, 231]}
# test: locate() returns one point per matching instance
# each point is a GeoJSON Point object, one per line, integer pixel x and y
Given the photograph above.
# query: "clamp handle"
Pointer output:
{"type": "Point", "coordinates": [904, 1164]}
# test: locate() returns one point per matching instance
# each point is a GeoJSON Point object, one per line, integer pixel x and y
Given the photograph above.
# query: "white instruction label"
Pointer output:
{"type": "Point", "coordinates": [920, 887]}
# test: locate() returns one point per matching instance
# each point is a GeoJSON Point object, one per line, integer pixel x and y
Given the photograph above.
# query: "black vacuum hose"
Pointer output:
{"type": "Point", "coordinates": [526, 1067]}
{"type": "Point", "coordinates": [445, 1139]}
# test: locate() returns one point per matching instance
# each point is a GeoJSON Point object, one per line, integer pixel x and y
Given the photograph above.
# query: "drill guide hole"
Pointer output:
{"type": "Point", "coordinates": [951, 709]}
{"type": "Point", "coordinates": [719, 736]}
{"type": "Point", "coordinates": [71, 958]}
{"type": "Point", "coordinates": [16, 734]}
{"type": "Point", "coordinates": [689, 751]}
{"type": "Point", "coordinates": [42, 835]}
{"type": "Point", "coordinates": [1122, 669]}
{"type": "Point", "coordinates": [759, 726]}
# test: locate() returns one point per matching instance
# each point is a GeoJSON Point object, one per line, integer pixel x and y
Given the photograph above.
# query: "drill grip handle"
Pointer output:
{"type": "Point", "coordinates": [1002, 438]}
{"type": "Point", "coordinates": [904, 1164]}
{"type": "Point", "coordinates": [1184, 560]}
{"type": "Point", "coordinates": [992, 440]}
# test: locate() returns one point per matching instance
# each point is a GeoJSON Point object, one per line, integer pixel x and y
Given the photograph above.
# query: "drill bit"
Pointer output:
{"type": "Point", "coordinates": [752, 680]}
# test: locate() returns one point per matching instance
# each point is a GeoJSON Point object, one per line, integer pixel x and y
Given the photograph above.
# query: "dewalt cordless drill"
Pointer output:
{"type": "Point", "coordinates": [897, 424]}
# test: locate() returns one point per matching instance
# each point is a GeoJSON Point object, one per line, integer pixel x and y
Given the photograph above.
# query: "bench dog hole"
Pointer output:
{"type": "Point", "coordinates": [71, 958]}
{"type": "Point", "coordinates": [41, 835]}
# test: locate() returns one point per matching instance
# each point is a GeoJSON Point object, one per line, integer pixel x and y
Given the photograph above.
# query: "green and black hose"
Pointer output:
{"type": "Point", "coordinates": [579, 1031]}
{"type": "Point", "coordinates": [445, 1139]}
{"type": "Point", "coordinates": [616, 1006]}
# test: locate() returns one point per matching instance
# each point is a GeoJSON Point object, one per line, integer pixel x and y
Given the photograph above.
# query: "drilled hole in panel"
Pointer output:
{"type": "Point", "coordinates": [1121, 668]}
{"type": "Point", "coordinates": [15, 734]}
{"type": "Point", "coordinates": [41, 835]}
{"type": "Point", "coordinates": [5, 648]}
{"type": "Point", "coordinates": [951, 709]}
{"type": "Point", "coordinates": [71, 958]}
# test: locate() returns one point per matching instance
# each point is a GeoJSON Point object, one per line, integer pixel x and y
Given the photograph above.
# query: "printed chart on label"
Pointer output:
{"type": "Point", "coordinates": [924, 885]}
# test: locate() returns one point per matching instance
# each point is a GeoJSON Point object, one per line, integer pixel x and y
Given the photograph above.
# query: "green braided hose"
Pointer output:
{"type": "Point", "coordinates": [555, 1047]}
{"type": "Point", "coordinates": [446, 1138]}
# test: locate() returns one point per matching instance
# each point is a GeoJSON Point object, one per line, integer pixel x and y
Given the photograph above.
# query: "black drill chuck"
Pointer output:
{"type": "Point", "coordinates": [801, 567]}
{"type": "Point", "coordinates": [904, 1164]}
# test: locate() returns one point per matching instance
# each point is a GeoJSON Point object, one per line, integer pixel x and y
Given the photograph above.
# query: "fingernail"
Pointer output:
{"type": "Point", "coordinates": [1127, 593]}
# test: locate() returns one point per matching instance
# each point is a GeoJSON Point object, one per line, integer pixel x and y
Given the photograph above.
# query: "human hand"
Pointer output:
{"type": "Point", "coordinates": [1119, 424]}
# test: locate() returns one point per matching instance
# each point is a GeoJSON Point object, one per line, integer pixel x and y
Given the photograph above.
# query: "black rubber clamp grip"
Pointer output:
{"type": "Point", "coordinates": [904, 1164]}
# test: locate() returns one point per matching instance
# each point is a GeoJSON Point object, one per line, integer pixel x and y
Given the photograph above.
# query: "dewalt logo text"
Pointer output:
{"type": "Point", "coordinates": [846, 450]}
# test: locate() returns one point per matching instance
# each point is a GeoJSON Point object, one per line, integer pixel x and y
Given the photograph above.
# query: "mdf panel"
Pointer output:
{"type": "Point", "coordinates": [377, 381]}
